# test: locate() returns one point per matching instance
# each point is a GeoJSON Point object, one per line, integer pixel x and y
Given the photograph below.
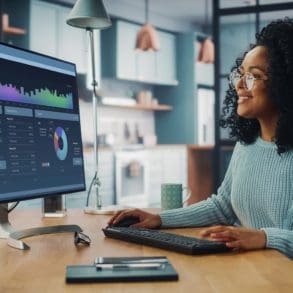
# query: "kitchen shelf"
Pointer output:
{"type": "Point", "coordinates": [142, 107]}
{"type": "Point", "coordinates": [14, 31]}
{"type": "Point", "coordinates": [200, 147]}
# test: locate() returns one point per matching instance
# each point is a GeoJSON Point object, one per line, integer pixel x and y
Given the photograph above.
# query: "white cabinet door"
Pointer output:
{"type": "Point", "coordinates": [146, 66]}
{"type": "Point", "coordinates": [51, 35]}
{"type": "Point", "coordinates": [43, 28]}
{"type": "Point", "coordinates": [166, 59]}
{"type": "Point", "coordinates": [125, 45]}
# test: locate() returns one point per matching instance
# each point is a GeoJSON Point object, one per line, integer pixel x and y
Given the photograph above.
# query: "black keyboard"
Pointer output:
{"type": "Point", "coordinates": [183, 244]}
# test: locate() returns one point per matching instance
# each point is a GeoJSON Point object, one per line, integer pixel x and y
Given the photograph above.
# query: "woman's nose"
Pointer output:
{"type": "Point", "coordinates": [241, 82]}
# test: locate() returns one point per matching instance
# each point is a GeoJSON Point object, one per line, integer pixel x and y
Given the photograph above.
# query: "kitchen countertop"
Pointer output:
{"type": "Point", "coordinates": [142, 147]}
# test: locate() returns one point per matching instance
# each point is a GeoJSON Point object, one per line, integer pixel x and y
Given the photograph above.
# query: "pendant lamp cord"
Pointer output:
{"type": "Point", "coordinates": [206, 15]}
{"type": "Point", "coordinates": [146, 11]}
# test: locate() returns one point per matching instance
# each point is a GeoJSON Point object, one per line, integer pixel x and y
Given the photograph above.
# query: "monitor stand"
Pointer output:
{"type": "Point", "coordinates": [7, 231]}
{"type": "Point", "coordinates": [5, 226]}
{"type": "Point", "coordinates": [54, 206]}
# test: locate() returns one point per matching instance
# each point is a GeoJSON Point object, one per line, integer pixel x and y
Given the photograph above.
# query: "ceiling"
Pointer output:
{"type": "Point", "coordinates": [188, 11]}
{"type": "Point", "coordinates": [192, 11]}
{"type": "Point", "coordinates": [182, 15]}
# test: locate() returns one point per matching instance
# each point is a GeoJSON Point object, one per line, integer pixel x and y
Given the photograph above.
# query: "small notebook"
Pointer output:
{"type": "Point", "coordinates": [90, 273]}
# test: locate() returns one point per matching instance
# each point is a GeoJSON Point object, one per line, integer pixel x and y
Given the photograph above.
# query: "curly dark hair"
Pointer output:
{"type": "Point", "coordinates": [277, 37]}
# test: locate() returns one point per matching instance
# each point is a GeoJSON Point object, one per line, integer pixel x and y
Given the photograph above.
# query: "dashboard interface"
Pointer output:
{"type": "Point", "coordinates": [40, 137]}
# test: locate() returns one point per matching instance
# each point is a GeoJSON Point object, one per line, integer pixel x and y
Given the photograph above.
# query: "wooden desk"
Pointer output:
{"type": "Point", "coordinates": [42, 268]}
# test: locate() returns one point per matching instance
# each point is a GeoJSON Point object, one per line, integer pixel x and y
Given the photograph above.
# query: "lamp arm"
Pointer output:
{"type": "Point", "coordinates": [96, 181]}
{"type": "Point", "coordinates": [92, 49]}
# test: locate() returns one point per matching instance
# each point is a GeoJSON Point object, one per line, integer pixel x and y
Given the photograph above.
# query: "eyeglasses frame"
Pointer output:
{"type": "Point", "coordinates": [244, 75]}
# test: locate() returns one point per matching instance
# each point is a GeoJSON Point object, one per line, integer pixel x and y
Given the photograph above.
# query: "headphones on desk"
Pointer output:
{"type": "Point", "coordinates": [81, 238]}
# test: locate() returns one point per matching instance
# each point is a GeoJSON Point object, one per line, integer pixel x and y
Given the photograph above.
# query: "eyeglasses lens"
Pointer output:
{"type": "Point", "coordinates": [249, 80]}
{"type": "Point", "coordinates": [236, 76]}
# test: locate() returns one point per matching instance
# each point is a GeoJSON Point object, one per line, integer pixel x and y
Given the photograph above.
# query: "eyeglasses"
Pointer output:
{"type": "Point", "coordinates": [248, 79]}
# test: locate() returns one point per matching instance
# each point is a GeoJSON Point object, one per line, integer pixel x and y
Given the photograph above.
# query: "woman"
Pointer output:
{"type": "Point", "coordinates": [253, 208]}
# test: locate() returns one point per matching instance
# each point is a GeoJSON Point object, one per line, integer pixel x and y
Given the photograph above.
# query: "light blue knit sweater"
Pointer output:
{"type": "Point", "coordinates": [257, 192]}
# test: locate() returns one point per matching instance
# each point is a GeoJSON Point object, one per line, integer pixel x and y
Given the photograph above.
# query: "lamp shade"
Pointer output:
{"type": "Point", "coordinates": [147, 38]}
{"type": "Point", "coordinates": [207, 52]}
{"type": "Point", "coordinates": [89, 14]}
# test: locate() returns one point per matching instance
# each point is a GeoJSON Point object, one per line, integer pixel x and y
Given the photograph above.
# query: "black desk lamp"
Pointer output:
{"type": "Point", "coordinates": [91, 15]}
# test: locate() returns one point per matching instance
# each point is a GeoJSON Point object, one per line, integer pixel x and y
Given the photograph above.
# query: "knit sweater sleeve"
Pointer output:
{"type": "Point", "coordinates": [215, 210]}
{"type": "Point", "coordinates": [280, 239]}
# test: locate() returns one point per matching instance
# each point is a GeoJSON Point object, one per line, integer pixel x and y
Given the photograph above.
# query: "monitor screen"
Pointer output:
{"type": "Point", "coordinates": [40, 138]}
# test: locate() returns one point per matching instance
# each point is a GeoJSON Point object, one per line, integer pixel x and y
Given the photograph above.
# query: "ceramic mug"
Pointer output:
{"type": "Point", "coordinates": [172, 196]}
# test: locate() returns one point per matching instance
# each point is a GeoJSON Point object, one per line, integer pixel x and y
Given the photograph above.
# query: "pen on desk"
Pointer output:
{"type": "Point", "coordinates": [129, 266]}
{"type": "Point", "coordinates": [144, 261]}
{"type": "Point", "coordinates": [101, 260]}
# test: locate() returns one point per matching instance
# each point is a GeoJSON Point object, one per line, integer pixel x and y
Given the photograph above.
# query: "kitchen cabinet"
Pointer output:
{"type": "Point", "coordinates": [125, 54]}
{"type": "Point", "coordinates": [146, 67]}
{"type": "Point", "coordinates": [50, 35]}
{"type": "Point", "coordinates": [43, 28]}
{"type": "Point", "coordinates": [131, 64]}
{"type": "Point", "coordinates": [168, 164]}
{"type": "Point", "coordinates": [166, 59]}
{"type": "Point", "coordinates": [121, 60]}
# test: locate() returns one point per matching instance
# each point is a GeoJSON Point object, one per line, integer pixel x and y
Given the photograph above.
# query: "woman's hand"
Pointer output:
{"type": "Point", "coordinates": [146, 220]}
{"type": "Point", "coordinates": [237, 237]}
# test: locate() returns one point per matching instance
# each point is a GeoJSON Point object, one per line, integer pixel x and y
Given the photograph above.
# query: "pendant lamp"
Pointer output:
{"type": "Point", "coordinates": [207, 51]}
{"type": "Point", "coordinates": [147, 38]}
{"type": "Point", "coordinates": [207, 48]}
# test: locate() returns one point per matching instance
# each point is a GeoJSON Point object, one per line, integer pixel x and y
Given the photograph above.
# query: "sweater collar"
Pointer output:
{"type": "Point", "coordinates": [264, 143]}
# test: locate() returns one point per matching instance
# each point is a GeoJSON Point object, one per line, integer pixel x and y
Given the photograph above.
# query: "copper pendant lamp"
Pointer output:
{"type": "Point", "coordinates": [147, 38]}
{"type": "Point", "coordinates": [207, 51]}
{"type": "Point", "coordinates": [207, 48]}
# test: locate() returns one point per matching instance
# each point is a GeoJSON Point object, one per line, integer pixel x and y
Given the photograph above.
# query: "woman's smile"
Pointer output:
{"type": "Point", "coordinates": [243, 99]}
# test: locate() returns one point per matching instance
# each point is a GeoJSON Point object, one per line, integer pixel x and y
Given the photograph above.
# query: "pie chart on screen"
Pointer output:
{"type": "Point", "coordinates": [60, 143]}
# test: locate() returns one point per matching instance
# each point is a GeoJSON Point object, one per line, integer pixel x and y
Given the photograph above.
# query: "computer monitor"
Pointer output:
{"type": "Point", "coordinates": [40, 137]}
